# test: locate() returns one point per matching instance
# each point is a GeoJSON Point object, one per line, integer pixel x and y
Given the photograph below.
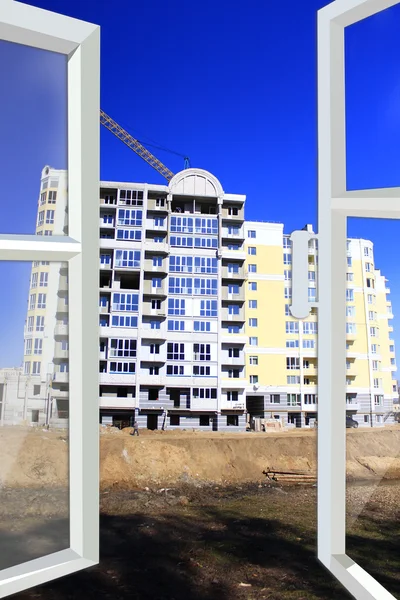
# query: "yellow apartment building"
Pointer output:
{"type": "Point", "coordinates": [281, 355]}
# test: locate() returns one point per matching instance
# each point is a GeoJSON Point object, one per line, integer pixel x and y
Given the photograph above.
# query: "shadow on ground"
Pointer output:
{"type": "Point", "coordinates": [205, 550]}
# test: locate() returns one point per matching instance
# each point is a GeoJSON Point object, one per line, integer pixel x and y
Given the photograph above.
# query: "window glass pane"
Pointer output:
{"type": "Point", "coordinates": [34, 413]}
{"type": "Point", "coordinates": [35, 106]}
{"type": "Point", "coordinates": [372, 400]}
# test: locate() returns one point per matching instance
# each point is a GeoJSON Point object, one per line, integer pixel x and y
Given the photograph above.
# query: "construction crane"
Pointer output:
{"type": "Point", "coordinates": [137, 147]}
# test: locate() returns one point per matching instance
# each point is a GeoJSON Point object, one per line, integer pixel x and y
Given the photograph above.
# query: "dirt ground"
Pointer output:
{"type": "Point", "coordinates": [191, 516]}
{"type": "Point", "coordinates": [36, 458]}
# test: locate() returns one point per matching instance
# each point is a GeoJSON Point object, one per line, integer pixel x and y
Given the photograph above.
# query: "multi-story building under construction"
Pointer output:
{"type": "Point", "coordinates": [194, 322]}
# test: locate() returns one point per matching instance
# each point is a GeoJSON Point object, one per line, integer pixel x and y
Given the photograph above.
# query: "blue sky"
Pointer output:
{"type": "Point", "coordinates": [233, 89]}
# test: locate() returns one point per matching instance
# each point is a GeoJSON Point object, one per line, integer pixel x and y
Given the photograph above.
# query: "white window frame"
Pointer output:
{"type": "Point", "coordinates": [335, 205]}
{"type": "Point", "coordinates": [79, 42]}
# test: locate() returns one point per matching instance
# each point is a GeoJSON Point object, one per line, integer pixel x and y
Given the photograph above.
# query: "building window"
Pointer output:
{"type": "Point", "coordinates": [48, 232]}
{"type": "Point", "coordinates": [253, 379]}
{"type": "Point", "coordinates": [201, 371]}
{"type": "Point", "coordinates": [124, 321]}
{"type": "Point", "coordinates": [27, 368]}
{"type": "Point", "coordinates": [253, 360]}
{"type": "Point", "coordinates": [368, 267]}
{"type": "Point", "coordinates": [125, 302]}
{"type": "Point", "coordinates": [233, 289]}
{"type": "Point", "coordinates": [39, 323]}
{"type": "Point", "coordinates": [122, 368]}
{"type": "Point", "coordinates": [202, 326]}
{"type": "Point", "coordinates": [233, 211]}
{"type": "Point", "coordinates": [253, 322]}
{"type": "Point", "coordinates": [287, 258]}
{"type": "Point", "coordinates": [252, 250]}
{"type": "Point", "coordinates": [36, 368]}
{"type": "Point", "coordinates": [204, 421]}
{"type": "Point", "coordinates": [232, 421]}
{"type": "Point", "coordinates": [251, 234]}
{"type": "Point", "coordinates": [201, 352]}
{"type": "Point", "coordinates": [123, 348]}
{"type": "Point", "coordinates": [205, 393]}
{"type": "Point", "coordinates": [208, 308]}
{"type": "Point", "coordinates": [127, 258]}
{"type": "Point", "coordinates": [310, 399]}
{"type": "Point", "coordinates": [309, 344]}
{"type": "Point", "coordinates": [252, 286]}
{"type": "Point", "coordinates": [38, 346]}
{"type": "Point", "coordinates": [176, 306]}
{"type": "Point", "coordinates": [310, 328]}
{"type": "Point", "coordinates": [160, 202]}
{"type": "Point", "coordinates": [288, 292]}
{"type": "Point", "coordinates": [275, 399]}
{"type": "Point", "coordinates": [176, 325]}
{"type": "Point", "coordinates": [349, 295]}
{"type": "Point", "coordinates": [292, 327]}
{"type": "Point", "coordinates": [154, 348]}
{"type": "Point", "coordinates": [174, 420]}
{"type": "Point", "coordinates": [52, 197]}
{"type": "Point", "coordinates": [34, 280]}
{"type": "Point", "coordinates": [292, 343]}
{"type": "Point", "coordinates": [234, 352]}
{"type": "Point", "coordinates": [50, 217]}
{"type": "Point", "coordinates": [175, 351]}
{"type": "Point", "coordinates": [156, 304]}
{"type": "Point", "coordinates": [366, 418]}
{"type": "Point", "coordinates": [232, 396]}
{"type": "Point", "coordinates": [293, 379]}
{"type": "Point", "coordinates": [252, 268]}
{"type": "Point", "coordinates": [294, 399]}
{"type": "Point", "coordinates": [44, 278]}
{"type": "Point", "coordinates": [292, 363]}
{"type": "Point", "coordinates": [175, 370]}
{"type": "Point", "coordinates": [378, 400]}
{"type": "Point", "coordinates": [28, 346]}
{"type": "Point", "coordinates": [253, 341]}
{"type": "Point", "coordinates": [252, 303]}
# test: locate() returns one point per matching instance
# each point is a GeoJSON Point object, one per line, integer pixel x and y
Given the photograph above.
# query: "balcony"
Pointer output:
{"type": "Point", "coordinates": [61, 377]}
{"type": "Point", "coordinates": [233, 361]}
{"type": "Point", "coordinates": [203, 404]}
{"type": "Point", "coordinates": [61, 329]}
{"type": "Point", "coordinates": [226, 295]}
{"type": "Point", "coordinates": [154, 291]}
{"type": "Point", "coordinates": [352, 405]}
{"type": "Point", "coordinates": [120, 378]}
{"type": "Point", "coordinates": [150, 226]}
{"type": "Point", "coordinates": [239, 235]}
{"type": "Point", "coordinates": [63, 284]}
{"type": "Point", "coordinates": [229, 405]}
{"type": "Point", "coordinates": [234, 338]}
{"type": "Point", "coordinates": [108, 204]}
{"type": "Point", "coordinates": [148, 311]}
{"type": "Point", "coordinates": [154, 334]}
{"type": "Point", "coordinates": [105, 266]}
{"type": "Point", "coordinates": [225, 214]}
{"type": "Point", "coordinates": [351, 371]}
{"type": "Point", "coordinates": [232, 254]}
{"type": "Point", "coordinates": [148, 266]}
{"type": "Point", "coordinates": [158, 247]}
{"type": "Point", "coordinates": [351, 337]}
{"type": "Point", "coordinates": [61, 306]}
{"type": "Point", "coordinates": [153, 204]}
{"type": "Point", "coordinates": [115, 402]}
{"type": "Point", "coordinates": [310, 371]}
{"type": "Point", "coordinates": [240, 275]}
{"type": "Point", "coordinates": [233, 383]}
{"type": "Point", "coordinates": [60, 394]}
{"type": "Point", "coordinates": [59, 352]}
{"type": "Point", "coordinates": [227, 316]}
{"type": "Point", "coordinates": [104, 225]}
{"type": "Point", "coordinates": [146, 379]}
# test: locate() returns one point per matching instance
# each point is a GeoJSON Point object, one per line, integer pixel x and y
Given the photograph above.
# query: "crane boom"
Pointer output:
{"type": "Point", "coordinates": [135, 145]}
